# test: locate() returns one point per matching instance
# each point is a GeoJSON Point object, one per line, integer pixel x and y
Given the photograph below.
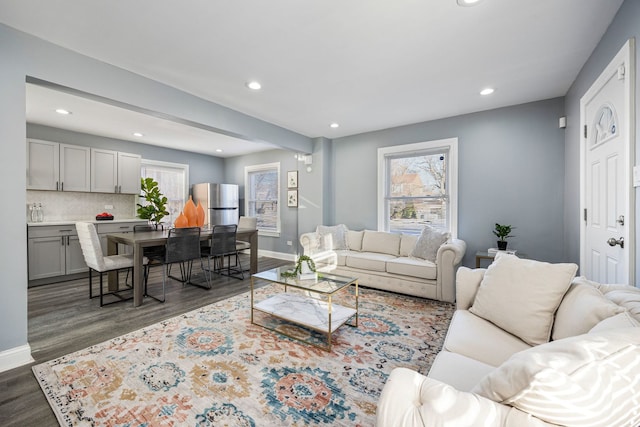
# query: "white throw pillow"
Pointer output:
{"type": "Point", "coordinates": [522, 295]}
{"type": "Point", "coordinates": [354, 240]}
{"type": "Point", "coordinates": [591, 379]}
{"type": "Point", "coordinates": [428, 243]}
{"type": "Point", "coordinates": [582, 307]}
{"type": "Point", "coordinates": [620, 320]}
{"type": "Point", "coordinates": [333, 237]}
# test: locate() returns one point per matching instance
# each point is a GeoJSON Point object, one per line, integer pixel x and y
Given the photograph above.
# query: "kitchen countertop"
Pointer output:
{"type": "Point", "coordinates": [73, 222]}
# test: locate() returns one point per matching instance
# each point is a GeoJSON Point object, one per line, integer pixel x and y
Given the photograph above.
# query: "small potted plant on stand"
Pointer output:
{"type": "Point", "coordinates": [503, 232]}
{"type": "Point", "coordinates": [156, 207]}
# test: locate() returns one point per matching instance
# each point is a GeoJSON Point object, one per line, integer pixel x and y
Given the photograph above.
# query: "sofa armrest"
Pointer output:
{"type": "Point", "coordinates": [467, 283]}
{"type": "Point", "coordinates": [309, 242]}
{"type": "Point", "coordinates": [448, 259]}
{"type": "Point", "coordinates": [411, 399]}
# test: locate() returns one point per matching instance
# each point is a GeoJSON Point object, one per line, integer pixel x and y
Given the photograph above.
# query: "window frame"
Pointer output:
{"type": "Point", "coordinates": [448, 144]}
{"type": "Point", "coordinates": [247, 192]}
{"type": "Point", "coordinates": [169, 165]}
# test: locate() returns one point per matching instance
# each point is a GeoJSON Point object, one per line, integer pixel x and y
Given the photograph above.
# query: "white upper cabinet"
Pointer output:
{"type": "Point", "coordinates": [57, 167]}
{"type": "Point", "coordinates": [129, 173]}
{"type": "Point", "coordinates": [115, 172]}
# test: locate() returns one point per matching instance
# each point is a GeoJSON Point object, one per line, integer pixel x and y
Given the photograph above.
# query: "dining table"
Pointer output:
{"type": "Point", "coordinates": [143, 239]}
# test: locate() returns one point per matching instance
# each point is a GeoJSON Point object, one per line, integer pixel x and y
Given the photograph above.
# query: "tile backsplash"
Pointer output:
{"type": "Point", "coordinates": [63, 205]}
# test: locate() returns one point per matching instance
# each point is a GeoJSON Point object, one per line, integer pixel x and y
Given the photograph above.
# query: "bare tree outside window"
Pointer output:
{"type": "Point", "coordinates": [417, 192]}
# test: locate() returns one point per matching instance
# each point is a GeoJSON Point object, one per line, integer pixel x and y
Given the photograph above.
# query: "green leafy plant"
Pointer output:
{"type": "Point", "coordinates": [503, 232]}
{"type": "Point", "coordinates": [155, 207]}
{"type": "Point", "coordinates": [303, 258]}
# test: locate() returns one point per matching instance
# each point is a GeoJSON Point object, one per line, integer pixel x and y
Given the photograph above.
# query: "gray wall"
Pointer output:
{"type": "Point", "coordinates": [625, 25]}
{"type": "Point", "coordinates": [26, 56]}
{"type": "Point", "coordinates": [234, 174]}
{"type": "Point", "coordinates": [202, 168]}
{"type": "Point", "coordinates": [511, 170]}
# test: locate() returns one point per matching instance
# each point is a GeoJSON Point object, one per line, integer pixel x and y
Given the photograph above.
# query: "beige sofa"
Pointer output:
{"type": "Point", "coordinates": [382, 260]}
{"type": "Point", "coordinates": [586, 370]}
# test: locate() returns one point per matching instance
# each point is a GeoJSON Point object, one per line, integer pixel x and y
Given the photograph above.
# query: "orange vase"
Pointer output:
{"type": "Point", "coordinates": [200, 214]}
{"type": "Point", "coordinates": [190, 213]}
{"type": "Point", "coordinates": [181, 221]}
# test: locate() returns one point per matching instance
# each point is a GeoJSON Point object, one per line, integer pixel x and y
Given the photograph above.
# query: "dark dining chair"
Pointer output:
{"type": "Point", "coordinates": [182, 247]}
{"type": "Point", "coordinates": [223, 244]}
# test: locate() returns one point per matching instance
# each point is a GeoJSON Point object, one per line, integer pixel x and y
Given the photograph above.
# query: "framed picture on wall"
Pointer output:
{"type": "Point", "coordinates": [292, 198]}
{"type": "Point", "coordinates": [292, 179]}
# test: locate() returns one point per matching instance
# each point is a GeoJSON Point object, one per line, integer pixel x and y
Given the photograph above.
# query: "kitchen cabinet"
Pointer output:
{"type": "Point", "coordinates": [115, 172]}
{"type": "Point", "coordinates": [54, 251]}
{"type": "Point", "coordinates": [57, 167]}
{"type": "Point", "coordinates": [118, 227]}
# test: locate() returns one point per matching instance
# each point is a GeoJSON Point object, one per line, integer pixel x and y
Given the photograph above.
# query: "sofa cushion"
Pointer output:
{"type": "Point", "coordinates": [354, 240]}
{"type": "Point", "coordinates": [522, 295]}
{"type": "Point", "coordinates": [428, 243]}
{"type": "Point", "coordinates": [582, 307]}
{"type": "Point", "coordinates": [590, 379]}
{"type": "Point", "coordinates": [332, 237]}
{"type": "Point", "coordinates": [472, 336]}
{"type": "Point", "coordinates": [407, 243]}
{"type": "Point", "coordinates": [620, 320]}
{"type": "Point", "coordinates": [368, 260]}
{"type": "Point", "coordinates": [381, 242]}
{"type": "Point", "coordinates": [412, 267]}
{"type": "Point", "coordinates": [457, 370]}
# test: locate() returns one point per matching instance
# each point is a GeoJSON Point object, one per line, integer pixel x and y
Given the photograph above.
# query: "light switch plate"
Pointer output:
{"type": "Point", "coordinates": [108, 206]}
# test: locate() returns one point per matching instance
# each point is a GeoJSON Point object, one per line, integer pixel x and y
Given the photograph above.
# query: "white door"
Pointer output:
{"type": "Point", "coordinates": [607, 126]}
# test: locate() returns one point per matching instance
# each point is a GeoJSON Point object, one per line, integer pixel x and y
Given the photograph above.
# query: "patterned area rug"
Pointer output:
{"type": "Point", "coordinates": [212, 367]}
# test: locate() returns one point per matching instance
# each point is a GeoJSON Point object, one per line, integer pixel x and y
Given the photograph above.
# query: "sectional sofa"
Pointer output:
{"type": "Point", "coordinates": [529, 345]}
{"type": "Point", "coordinates": [422, 266]}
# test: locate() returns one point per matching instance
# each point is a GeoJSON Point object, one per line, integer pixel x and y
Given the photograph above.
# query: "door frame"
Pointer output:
{"type": "Point", "coordinates": [626, 55]}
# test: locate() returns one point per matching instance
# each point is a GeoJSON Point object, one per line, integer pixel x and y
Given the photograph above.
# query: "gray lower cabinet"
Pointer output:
{"type": "Point", "coordinates": [54, 251]}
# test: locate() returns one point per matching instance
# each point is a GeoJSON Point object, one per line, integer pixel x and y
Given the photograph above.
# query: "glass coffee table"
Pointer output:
{"type": "Point", "coordinates": [307, 303]}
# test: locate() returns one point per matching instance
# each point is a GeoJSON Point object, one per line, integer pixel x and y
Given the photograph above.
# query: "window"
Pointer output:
{"type": "Point", "coordinates": [262, 195]}
{"type": "Point", "coordinates": [173, 182]}
{"type": "Point", "coordinates": [417, 185]}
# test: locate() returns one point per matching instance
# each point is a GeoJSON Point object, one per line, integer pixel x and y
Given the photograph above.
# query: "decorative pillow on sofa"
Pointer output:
{"type": "Point", "coordinates": [590, 379]}
{"type": "Point", "coordinates": [332, 237]}
{"type": "Point", "coordinates": [354, 240]}
{"type": "Point", "coordinates": [582, 307]}
{"type": "Point", "coordinates": [428, 243]}
{"type": "Point", "coordinates": [521, 296]}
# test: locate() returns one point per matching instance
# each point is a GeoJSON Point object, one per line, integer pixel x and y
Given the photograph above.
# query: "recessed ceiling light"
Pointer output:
{"type": "Point", "coordinates": [466, 3]}
{"type": "Point", "coordinates": [487, 91]}
{"type": "Point", "coordinates": [254, 85]}
{"type": "Point", "coordinates": [334, 125]}
{"type": "Point", "coordinates": [218, 150]}
{"type": "Point", "coordinates": [63, 111]}
{"type": "Point", "coordinates": [138, 134]}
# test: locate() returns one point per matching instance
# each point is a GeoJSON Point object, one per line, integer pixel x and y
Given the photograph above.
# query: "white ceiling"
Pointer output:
{"type": "Point", "coordinates": [366, 64]}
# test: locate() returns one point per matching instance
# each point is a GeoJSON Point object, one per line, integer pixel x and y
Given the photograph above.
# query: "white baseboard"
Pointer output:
{"type": "Point", "coordinates": [277, 255]}
{"type": "Point", "coordinates": [15, 357]}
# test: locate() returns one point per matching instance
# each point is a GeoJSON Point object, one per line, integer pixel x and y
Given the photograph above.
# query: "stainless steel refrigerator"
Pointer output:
{"type": "Point", "coordinates": [220, 202]}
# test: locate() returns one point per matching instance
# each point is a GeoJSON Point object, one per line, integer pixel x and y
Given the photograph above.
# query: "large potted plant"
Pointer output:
{"type": "Point", "coordinates": [503, 232]}
{"type": "Point", "coordinates": [155, 207]}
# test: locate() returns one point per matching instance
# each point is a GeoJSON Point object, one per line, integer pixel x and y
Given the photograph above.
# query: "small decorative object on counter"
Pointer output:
{"type": "Point", "coordinates": [104, 216]}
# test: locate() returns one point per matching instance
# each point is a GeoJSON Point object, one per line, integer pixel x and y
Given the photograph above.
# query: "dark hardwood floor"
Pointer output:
{"type": "Point", "coordinates": [63, 319]}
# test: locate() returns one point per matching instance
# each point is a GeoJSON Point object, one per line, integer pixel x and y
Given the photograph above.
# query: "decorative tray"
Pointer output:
{"type": "Point", "coordinates": [104, 217]}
